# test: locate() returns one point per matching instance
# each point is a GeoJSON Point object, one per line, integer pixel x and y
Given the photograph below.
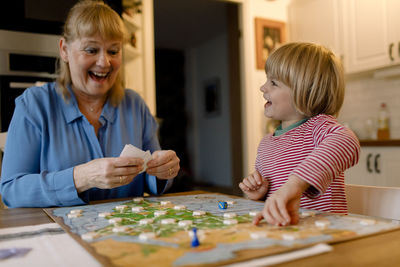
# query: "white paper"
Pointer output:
{"type": "Point", "coordinates": [284, 257]}
{"type": "Point", "coordinates": [49, 247]}
{"type": "Point", "coordinates": [132, 151]}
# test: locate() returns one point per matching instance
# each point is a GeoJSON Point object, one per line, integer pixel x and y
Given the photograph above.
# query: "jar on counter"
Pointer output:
{"type": "Point", "coordinates": [383, 132]}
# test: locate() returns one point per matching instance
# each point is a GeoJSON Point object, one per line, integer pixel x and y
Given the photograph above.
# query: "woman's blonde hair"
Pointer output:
{"type": "Point", "coordinates": [314, 74]}
{"type": "Point", "coordinates": [86, 19]}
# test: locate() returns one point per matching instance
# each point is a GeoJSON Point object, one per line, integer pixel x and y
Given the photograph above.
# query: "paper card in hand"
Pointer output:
{"type": "Point", "coordinates": [132, 151]}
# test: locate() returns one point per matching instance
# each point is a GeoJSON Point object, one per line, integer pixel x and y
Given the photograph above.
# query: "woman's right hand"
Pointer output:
{"type": "Point", "coordinates": [254, 186]}
{"type": "Point", "coordinates": [106, 173]}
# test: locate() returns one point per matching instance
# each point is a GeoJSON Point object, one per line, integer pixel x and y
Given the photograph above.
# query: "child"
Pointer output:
{"type": "Point", "coordinates": [302, 163]}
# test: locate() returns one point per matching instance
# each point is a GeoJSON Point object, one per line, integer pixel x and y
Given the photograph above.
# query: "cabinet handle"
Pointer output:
{"type": "Point", "coordinates": [398, 48]}
{"type": "Point", "coordinates": [390, 51]}
{"type": "Point", "coordinates": [369, 163]}
{"type": "Point", "coordinates": [376, 163]}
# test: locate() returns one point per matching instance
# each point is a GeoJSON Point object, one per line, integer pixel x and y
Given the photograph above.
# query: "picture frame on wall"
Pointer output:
{"type": "Point", "coordinates": [270, 34]}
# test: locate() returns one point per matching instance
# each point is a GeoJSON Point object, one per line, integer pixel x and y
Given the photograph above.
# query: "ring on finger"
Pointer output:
{"type": "Point", "coordinates": [120, 179]}
{"type": "Point", "coordinates": [170, 171]}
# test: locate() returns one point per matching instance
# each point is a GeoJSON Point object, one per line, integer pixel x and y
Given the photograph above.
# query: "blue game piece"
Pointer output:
{"type": "Point", "coordinates": [223, 205]}
{"type": "Point", "coordinates": [13, 252]}
{"type": "Point", "coordinates": [195, 240]}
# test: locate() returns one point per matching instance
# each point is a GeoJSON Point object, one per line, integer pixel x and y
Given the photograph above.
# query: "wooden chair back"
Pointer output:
{"type": "Point", "coordinates": [3, 137]}
{"type": "Point", "coordinates": [374, 201]}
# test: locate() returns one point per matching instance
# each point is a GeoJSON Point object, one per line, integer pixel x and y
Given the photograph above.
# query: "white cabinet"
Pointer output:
{"type": "Point", "coordinates": [365, 33]}
{"type": "Point", "coordinates": [371, 34]}
{"type": "Point", "coordinates": [316, 21]}
{"type": "Point", "coordinates": [379, 166]}
{"type": "Point", "coordinates": [393, 19]}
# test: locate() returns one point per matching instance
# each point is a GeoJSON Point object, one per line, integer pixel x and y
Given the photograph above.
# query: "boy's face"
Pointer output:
{"type": "Point", "coordinates": [279, 105]}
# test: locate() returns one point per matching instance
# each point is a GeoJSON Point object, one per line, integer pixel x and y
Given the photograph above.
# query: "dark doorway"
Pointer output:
{"type": "Point", "coordinates": [206, 135]}
{"type": "Point", "coordinates": [170, 104]}
{"type": "Point", "coordinates": [235, 96]}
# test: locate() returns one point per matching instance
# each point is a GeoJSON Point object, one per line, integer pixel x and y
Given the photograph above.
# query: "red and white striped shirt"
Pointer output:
{"type": "Point", "coordinates": [317, 151]}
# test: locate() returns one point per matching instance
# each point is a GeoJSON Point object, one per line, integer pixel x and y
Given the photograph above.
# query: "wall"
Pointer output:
{"type": "Point", "coordinates": [211, 134]}
{"type": "Point", "coordinates": [252, 101]}
{"type": "Point", "coordinates": [364, 94]}
{"type": "Point", "coordinates": [252, 78]}
{"type": "Point", "coordinates": [252, 118]}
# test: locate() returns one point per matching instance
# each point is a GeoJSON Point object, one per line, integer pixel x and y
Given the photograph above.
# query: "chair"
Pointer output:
{"type": "Point", "coordinates": [3, 137]}
{"type": "Point", "coordinates": [374, 201]}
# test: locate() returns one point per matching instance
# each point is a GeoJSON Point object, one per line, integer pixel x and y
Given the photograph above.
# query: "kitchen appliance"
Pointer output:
{"type": "Point", "coordinates": [40, 16]}
{"type": "Point", "coordinates": [26, 60]}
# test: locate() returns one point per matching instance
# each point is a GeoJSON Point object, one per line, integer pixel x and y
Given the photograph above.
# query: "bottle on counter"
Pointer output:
{"type": "Point", "coordinates": [383, 123]}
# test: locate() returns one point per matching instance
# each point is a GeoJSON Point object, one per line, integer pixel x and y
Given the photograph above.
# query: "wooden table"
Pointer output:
{"type": "Point", "coordinates": [377, 250]}
{"type": "Point", "coordinates": [23, 217]}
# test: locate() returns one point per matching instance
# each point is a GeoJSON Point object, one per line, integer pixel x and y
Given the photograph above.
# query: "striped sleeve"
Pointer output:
{"type": "Point", "coordinates": [337, 149]}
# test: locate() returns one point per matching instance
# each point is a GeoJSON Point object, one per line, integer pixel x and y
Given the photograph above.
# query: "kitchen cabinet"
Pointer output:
{"type": "Point", "coordinates": [316, 21]}
{"type": "Point", "coordinates": [371, 37]}
{"type": "Point", "coordinates": [393, 21]}
{"type": "Point", "coordinates": [377, 166]}
{"type": "Point", "coordinates": [364, 33]}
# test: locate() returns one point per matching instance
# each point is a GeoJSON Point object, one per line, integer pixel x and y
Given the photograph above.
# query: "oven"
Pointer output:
{"type": "Point", "coordinates": [11, 88]}
{"type": "Point", "coordinates": [39, 16]}
{"type": "Point", "coordinates": [25, 60]}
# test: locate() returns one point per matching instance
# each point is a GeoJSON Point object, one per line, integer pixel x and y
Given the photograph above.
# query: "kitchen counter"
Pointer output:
{"type": "Point", "coordinates": [391, 142]}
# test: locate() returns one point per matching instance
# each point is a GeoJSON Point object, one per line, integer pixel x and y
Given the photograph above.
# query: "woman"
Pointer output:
{"type": "Point", "coordinates": [65, 138]}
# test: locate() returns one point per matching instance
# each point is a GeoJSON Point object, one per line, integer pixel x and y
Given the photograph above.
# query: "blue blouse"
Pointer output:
{"type": "Point", "coordinates": [48, 136]}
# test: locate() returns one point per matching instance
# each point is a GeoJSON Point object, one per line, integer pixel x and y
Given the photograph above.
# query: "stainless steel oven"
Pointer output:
{"type": "Point", "coordinates": [39, 16]}
{"type": "Point", "coordinates": [26, 59]}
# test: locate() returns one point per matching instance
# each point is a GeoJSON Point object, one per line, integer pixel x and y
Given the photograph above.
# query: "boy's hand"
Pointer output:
{"type": "Point", "coordinates": [254, 186]}
{"type": "Point", "coordinates": [282, 207]}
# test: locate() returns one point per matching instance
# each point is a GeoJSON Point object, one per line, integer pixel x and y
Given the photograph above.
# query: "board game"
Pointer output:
{"type": "Point", "coordinates": [157, 231]}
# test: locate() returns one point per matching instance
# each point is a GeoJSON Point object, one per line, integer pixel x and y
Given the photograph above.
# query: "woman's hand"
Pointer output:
{"type": "Point", "coordinates": [254, 186]}
{"type": "Point", "coordinates": [282, 207]}
{"type": "Point", "coordinates": [106, 173]}
{"type": "Point", "coordinates": [164, 165]}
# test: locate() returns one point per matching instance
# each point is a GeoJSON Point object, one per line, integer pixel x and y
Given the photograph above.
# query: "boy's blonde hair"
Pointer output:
{"type": "Point", "coordinates": [314, 74]}
{"type": "Point", "coordinates": [86, 19]}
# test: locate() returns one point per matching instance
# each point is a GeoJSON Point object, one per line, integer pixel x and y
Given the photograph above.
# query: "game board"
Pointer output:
{"type": "Point", "coordinates": [140, 238]}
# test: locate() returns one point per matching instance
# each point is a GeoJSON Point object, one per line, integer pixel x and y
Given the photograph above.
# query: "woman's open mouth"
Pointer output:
{"type": "Point", "coordinates": [98, 76]}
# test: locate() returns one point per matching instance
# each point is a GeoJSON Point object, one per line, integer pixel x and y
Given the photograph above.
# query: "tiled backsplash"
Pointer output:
{"type": "Point", "coordinates": [362, 101]}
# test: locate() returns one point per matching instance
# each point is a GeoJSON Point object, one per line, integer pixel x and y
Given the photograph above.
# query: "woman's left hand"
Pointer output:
{"type": "Point", "coordinates": [164, 165]}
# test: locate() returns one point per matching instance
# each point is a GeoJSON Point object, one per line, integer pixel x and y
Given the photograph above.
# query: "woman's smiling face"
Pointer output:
{"type": "Point", "coordinates": [94, 64]}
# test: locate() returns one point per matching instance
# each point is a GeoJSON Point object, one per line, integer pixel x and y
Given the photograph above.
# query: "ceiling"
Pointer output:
{"type": "Point", "coordinates": [180, 24]}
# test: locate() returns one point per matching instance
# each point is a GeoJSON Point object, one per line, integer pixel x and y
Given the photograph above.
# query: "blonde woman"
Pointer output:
{"type": "Point", "coordinates": [302, 163]}
{"type": "Point", "coordinates": [65, 137]}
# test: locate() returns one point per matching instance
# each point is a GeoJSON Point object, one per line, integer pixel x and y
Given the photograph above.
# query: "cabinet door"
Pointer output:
{"type": "Point", "coordinates": [377, 166]}
{"type": "Point", "coordinates": [316, 21]}
{"type": "Point", "coordinates": [390, 164]}
{"type": "Point", "coordinates": [366, 41]}
{"type": "Point", "coordinates": [363, 173]}
{"type": "Point", "coordinates": [393, 22]}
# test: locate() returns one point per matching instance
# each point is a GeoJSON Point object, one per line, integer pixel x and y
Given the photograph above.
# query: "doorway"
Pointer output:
{"type": "Point", "coordinates": [198, 91]}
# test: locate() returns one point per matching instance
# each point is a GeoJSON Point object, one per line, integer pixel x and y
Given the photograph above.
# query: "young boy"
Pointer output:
{"type": "Point", "coordinates": [302, 163]}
